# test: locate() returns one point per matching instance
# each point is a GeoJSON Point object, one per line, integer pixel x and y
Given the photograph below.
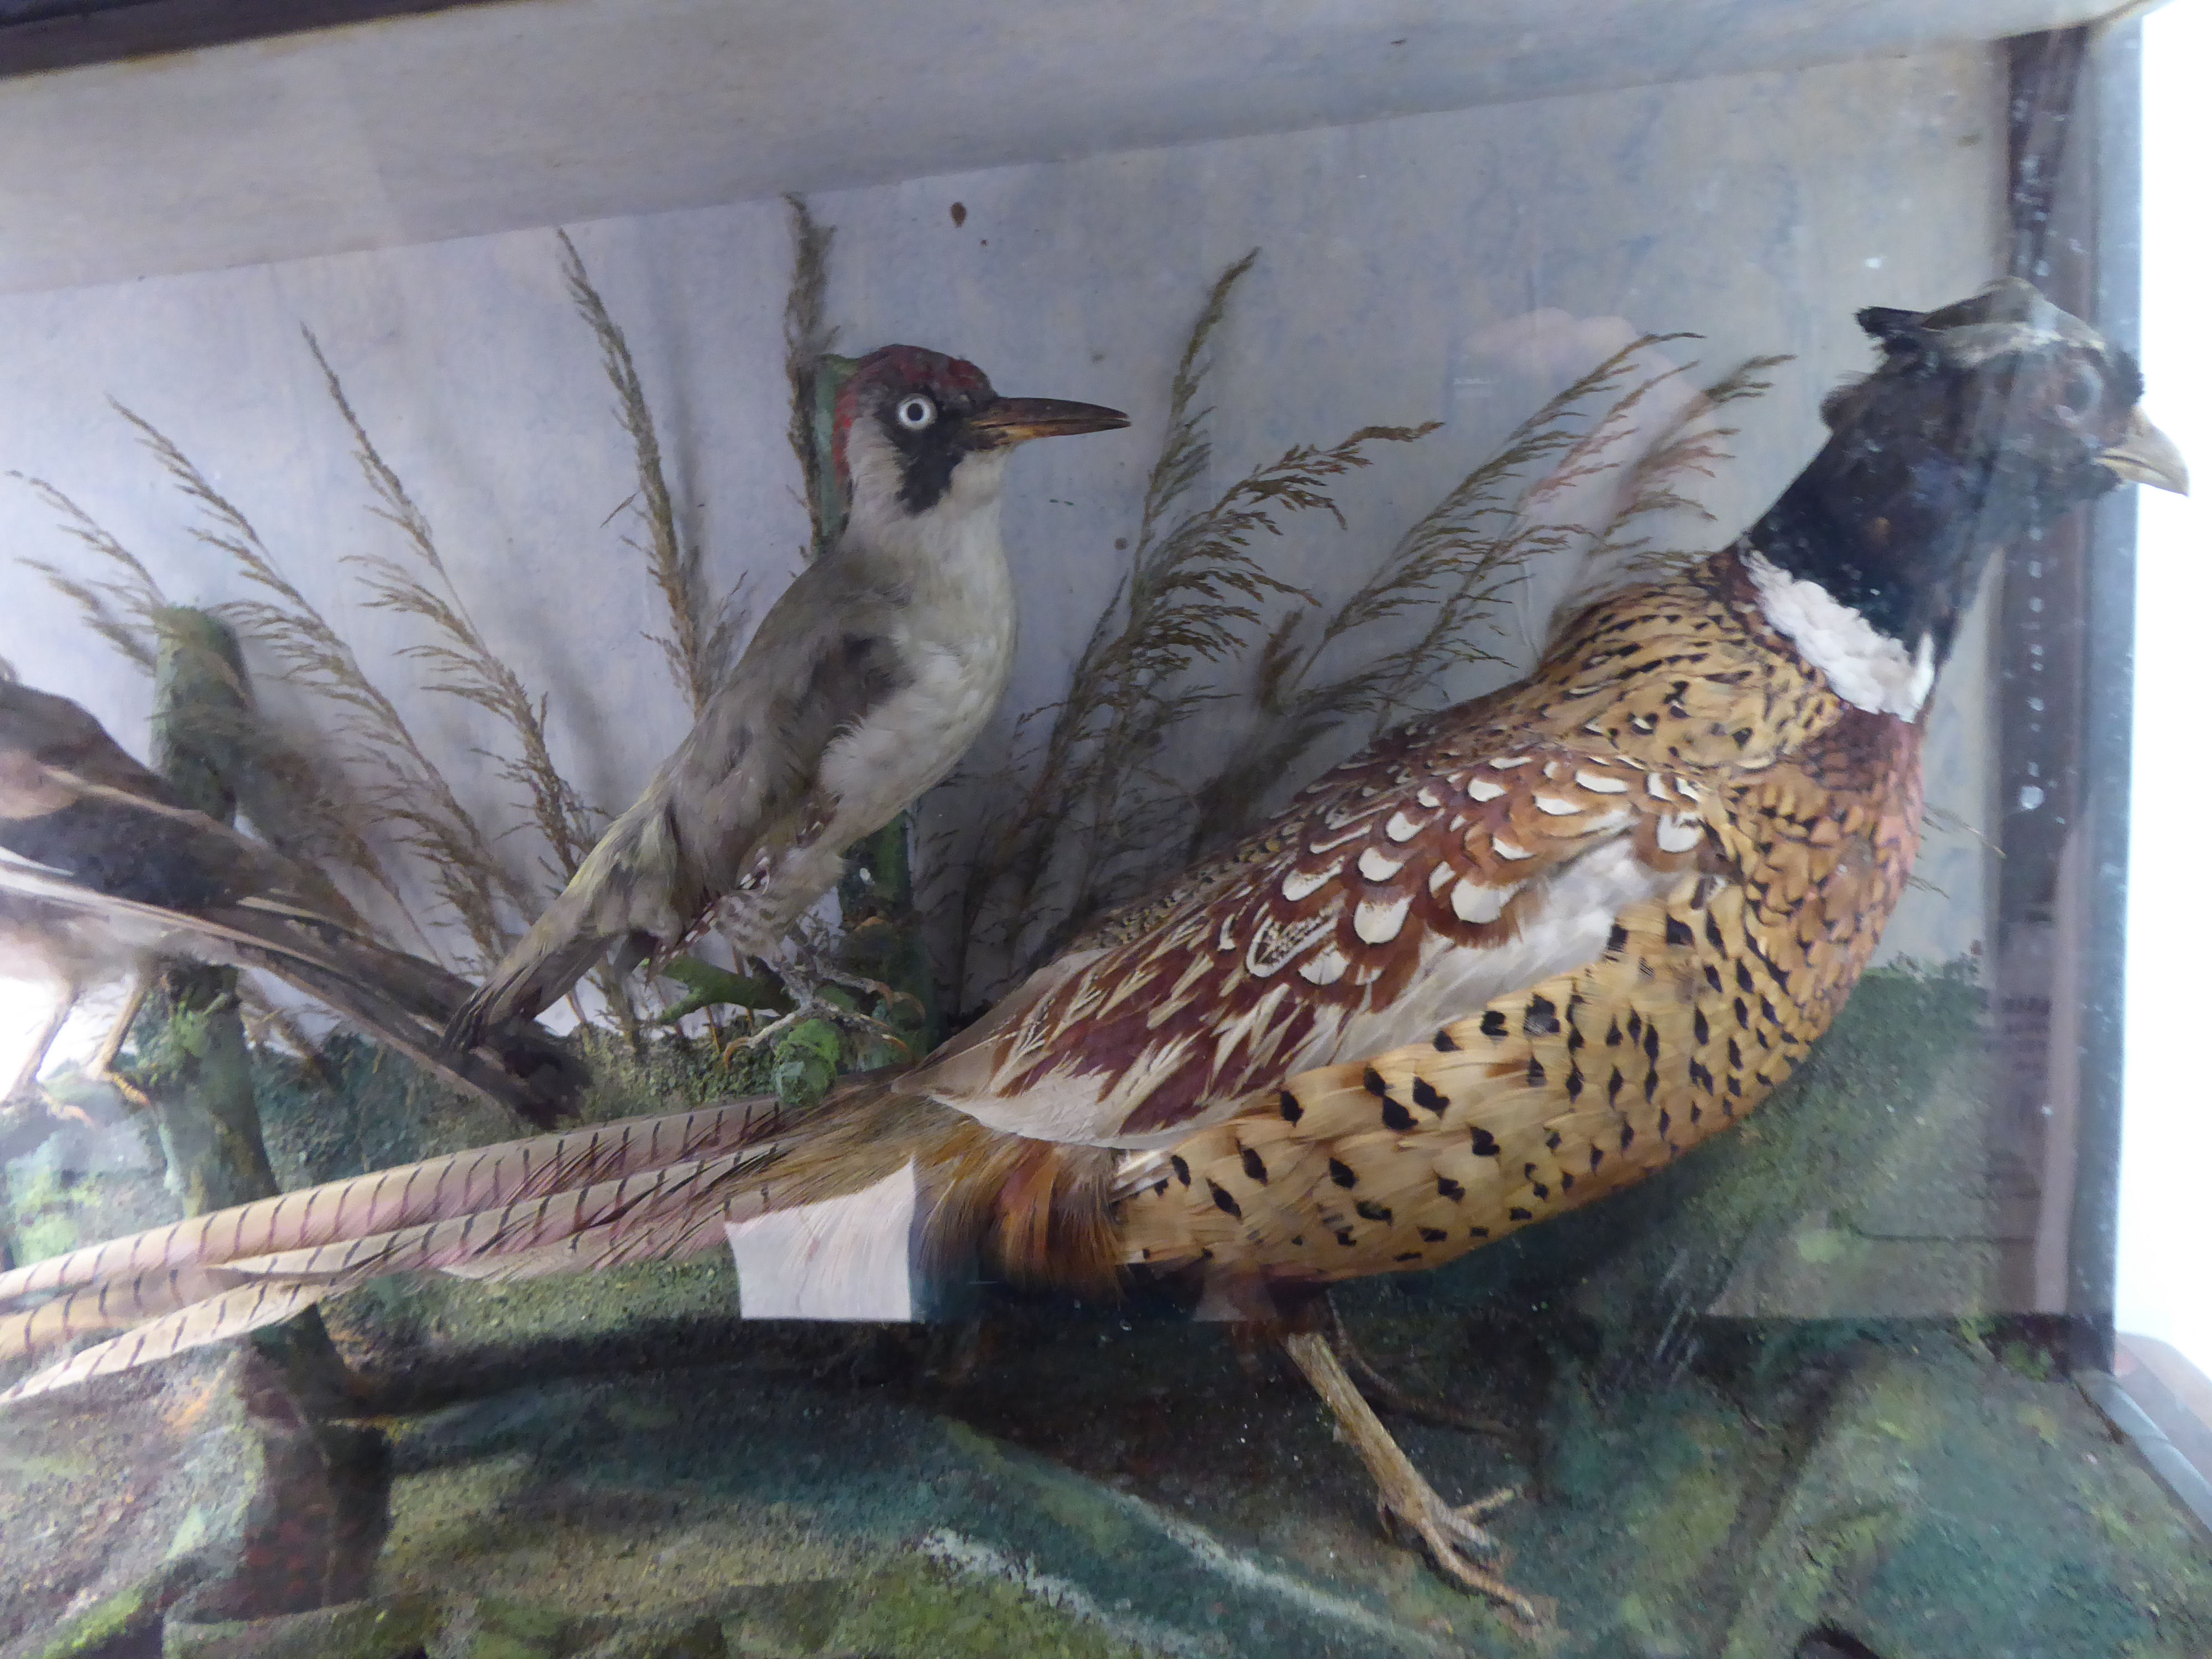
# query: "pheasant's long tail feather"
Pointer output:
{"type": "Point", "coordinates": [729, 1185]}
{"type": "Point", "coordinates": [233, 1313]}
{"type": "Point", "coordinates": [651, 1189]}
{"type": "Point", "coordinates": [115, 1306]}
{"type": "Point", "coordinates": [388, 1201]}
{"type": "Point", "coordinates": [609, 1221]}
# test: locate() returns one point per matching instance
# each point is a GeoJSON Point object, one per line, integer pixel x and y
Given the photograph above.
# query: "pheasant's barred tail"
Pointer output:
{"type": "Point", "coordinates": [388, 1201]}
{"type": "Point", "coordinates": [233, 1313]}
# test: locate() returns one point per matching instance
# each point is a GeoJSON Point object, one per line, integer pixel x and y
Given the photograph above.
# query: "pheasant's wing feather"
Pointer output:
{"type": "Point", "coordinates": [1703, 999]}
{"type": "Point", "coordinates": [1411, 890]}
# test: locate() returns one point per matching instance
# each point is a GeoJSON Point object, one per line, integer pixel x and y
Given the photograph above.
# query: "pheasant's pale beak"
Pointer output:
{"type": "Point", "coordinates": [1017, 420]}
{"type": "Point", "coordinates": [2146, 455]}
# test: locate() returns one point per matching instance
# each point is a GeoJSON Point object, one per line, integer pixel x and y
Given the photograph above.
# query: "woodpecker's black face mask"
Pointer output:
{"type": "Point", "coordinates": [934, 411]}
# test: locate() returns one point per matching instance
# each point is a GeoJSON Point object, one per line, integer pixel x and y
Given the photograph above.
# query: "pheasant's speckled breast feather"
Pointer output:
{"type": "Point", "coordinates": [1774, 827]}
{"type": "Point", "coordinates": [1469, 855]}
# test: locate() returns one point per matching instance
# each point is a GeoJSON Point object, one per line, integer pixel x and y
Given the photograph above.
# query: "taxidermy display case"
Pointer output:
{"type": "Point", "coordinates": [1133, 830]}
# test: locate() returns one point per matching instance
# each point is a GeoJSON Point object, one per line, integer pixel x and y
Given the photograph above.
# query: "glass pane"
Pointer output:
{"type": "Point", "coordinates": [1376, 756]}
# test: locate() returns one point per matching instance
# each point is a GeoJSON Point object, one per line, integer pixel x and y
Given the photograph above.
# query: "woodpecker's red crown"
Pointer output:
{"type": "Point", "coordinates": [887, 375]}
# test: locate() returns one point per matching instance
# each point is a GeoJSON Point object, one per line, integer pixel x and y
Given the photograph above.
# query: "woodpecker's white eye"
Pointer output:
{"type": "Point", "coordinates": [915, 412]}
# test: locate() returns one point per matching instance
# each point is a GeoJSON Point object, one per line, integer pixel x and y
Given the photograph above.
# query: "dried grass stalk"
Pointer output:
{"type": "Point", "coordinates": [701, 644]}
{"type": "Point", "coordinates": [458, 661]}
{"type": "Point", "coordinates": [296, 801]}
{"type": "Point", "coordinates": [122, 610]}
{"type": "Point", "coordinates": [808, 339]}
{"type": "Point", "coordinates": [404, 789]}
{"type": "Point", "coordinates": [1089, 823]}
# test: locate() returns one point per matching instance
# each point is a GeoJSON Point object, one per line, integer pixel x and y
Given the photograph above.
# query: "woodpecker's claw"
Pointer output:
{"type": "Point", "coordinates": [803, 979]}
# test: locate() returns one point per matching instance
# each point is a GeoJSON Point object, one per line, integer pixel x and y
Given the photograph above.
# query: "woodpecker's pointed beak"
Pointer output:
{"type": "Point", "coordinates": [2146, 455]}
{"type": "Point", "coordinates": [1016, 420]}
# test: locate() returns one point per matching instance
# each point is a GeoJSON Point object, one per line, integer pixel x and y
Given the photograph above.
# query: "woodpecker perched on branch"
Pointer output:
{"type": "Point", "coordinates": [1517, 955]}
{"type": "Point", "coordinates": [103, 868]}
{"type": "Point", "coordinates": [867, 681]}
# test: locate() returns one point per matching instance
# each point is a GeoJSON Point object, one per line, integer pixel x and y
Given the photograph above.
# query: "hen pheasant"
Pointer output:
{"type": "Point", "coordinates": [1517, 955]}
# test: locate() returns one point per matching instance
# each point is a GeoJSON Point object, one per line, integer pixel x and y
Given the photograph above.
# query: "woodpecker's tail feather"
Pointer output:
{"type": "Point", "coordinates": [646, 1188]}
{"type": "Point", "coordinates": [407, 1002]}
{"type": "Point", "coordinates": [622, 890]}
{"type": "Point", "coordinates": [536, 974]}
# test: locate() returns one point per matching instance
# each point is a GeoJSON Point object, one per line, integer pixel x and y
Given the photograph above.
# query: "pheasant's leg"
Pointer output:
{"type": "Point", "coordinates": [1450, 1533]}
{"type": "Point", "coordinates": [1392, 1396]}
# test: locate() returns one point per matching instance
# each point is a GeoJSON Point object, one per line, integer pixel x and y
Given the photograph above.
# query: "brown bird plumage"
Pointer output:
{"type": "Point", "coordinates": [103, 868]}
{"type": "Point", "coordinates": [1517, 955]}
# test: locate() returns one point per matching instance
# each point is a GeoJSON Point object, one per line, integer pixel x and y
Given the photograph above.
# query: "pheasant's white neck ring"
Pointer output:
{"type": "Point", "coordinates": [1868, 668]}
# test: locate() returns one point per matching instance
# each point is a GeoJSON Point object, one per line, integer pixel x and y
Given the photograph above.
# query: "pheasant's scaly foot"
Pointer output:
{"type": "Point", "coordinates": [1391, 1396]}
{"type": "Point", "coordinates": [1451, 1534]}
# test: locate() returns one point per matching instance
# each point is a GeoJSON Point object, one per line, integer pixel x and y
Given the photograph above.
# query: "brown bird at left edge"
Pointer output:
{"type": "Point", "coordinates": [1514, 957]}
{"type": "Point", "coordinates": [103, 866]}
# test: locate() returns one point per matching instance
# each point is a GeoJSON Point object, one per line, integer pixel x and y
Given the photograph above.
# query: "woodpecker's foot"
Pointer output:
{"type": "Point", "coordinates": [1452, 1534]}
{"type": "Point", "coordinates": [1390, 1396]}
{"type": "Point", "coordinates": [807, 973]}
{"type": "Point", "coordinates": [803, 978]}
{"type": "Point", "coordinates": [811, 1004]}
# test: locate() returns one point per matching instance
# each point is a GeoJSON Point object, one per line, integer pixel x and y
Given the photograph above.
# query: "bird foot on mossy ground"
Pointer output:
{"type": "Point", "coordinates": [1451, 1533]}
{"type": "Point", "coordinates": [1454, 1538]}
